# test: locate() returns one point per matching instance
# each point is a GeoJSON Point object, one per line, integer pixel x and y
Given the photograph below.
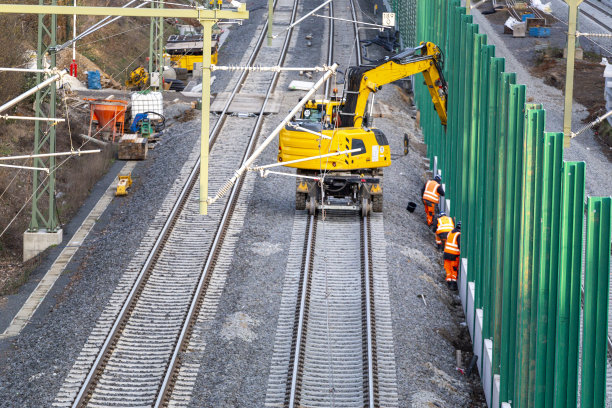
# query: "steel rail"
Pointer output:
{"type": "Point", "coordinates": [167, 384]}
{"type": "Point", "coordinates": [368, 311]}
{"type": "Point", "coordinates": [356, 29]}
{"type": "Point", "coordinates": [223, 115]}
{"type": "Point", "coordinates": [292, 398]}
{"type": "Point", "coordinates": [136, 288]}
{"type": "Point", "coordinates": [164, 233]}
{"type": "Point", "coordinates": [307, 263]}
{"type": "Point", "coordinates": [595, 19]}
{"type": "Point", "coordinates": [330, 48]}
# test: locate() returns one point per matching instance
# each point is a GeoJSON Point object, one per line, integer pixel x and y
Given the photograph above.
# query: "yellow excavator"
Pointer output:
{"type": "Point", "coordinates": [137, 79]}
{"type": "Point", "coordinates": [352, 180]}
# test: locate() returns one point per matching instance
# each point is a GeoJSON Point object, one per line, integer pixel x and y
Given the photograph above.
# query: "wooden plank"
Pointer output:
{"type": "Point", "coordinates": [246, 103]}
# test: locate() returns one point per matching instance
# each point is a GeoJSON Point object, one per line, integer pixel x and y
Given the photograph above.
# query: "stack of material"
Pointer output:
{"type": "Point", "coordinates": [132, 147]}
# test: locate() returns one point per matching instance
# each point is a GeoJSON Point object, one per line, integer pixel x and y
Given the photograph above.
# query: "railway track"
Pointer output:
{"type": "Point", "coordinates": [133, 357]}
{"type": "Point", "coordinates": [334, 345]}
{"type": "Point", "coordinates": [601, 10]}
{"type": "Point", "coordinates": [334, 339]}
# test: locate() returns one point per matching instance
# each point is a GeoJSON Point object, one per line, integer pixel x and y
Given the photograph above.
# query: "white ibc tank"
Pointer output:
{"type": "Point", "coordinates": [148, 102]}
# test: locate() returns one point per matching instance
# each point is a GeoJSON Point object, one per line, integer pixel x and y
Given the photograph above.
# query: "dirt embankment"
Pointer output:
{"type": "Point", "coordinates": [544, 59]}
{"type": "Point", "coordinates": [114, 50]}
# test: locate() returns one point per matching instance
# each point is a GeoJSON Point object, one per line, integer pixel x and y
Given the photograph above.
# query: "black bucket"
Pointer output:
{"type": "Point", "coordinates": [411, 206]}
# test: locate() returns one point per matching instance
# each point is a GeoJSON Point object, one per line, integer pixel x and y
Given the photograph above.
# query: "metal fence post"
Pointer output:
{"type": "Point", "coordinates": [462, 193]}
{"type": "Point", "coordinates": [511, 238]}
{"type": "Point", "coordinates": [535, 263]}
{"type": "Point", "coordinates": [551, 196]}
{"type": "Point", "coordinates": [596, 289]}
{"type": "Point", "coordinates": [470, 165]}
{"type": "Point", "coordinates": [525, 259]}
{"type": "Point", "coordinates": [568, 295]}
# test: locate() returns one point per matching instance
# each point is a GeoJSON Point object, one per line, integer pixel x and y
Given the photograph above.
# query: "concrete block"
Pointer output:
{"type": "Point", "coordinates": [36, 242]}
{"type": "Point", "coordinates": [519, 30]}
{"type": "Point", "coordinates": [579, 53]}
{"type": "Point", "coordinates": [463, 284]}
{"type": "Point", "coordinates": [470, 308]}
{"type": "Point", "coordinates": [477, 339]}
{"type": "Point", "coordinates": [487, 367]}
{"type": "Point", "coordinates": [496, 388]}
{"type": "Point", "coordinates": [443, 201]}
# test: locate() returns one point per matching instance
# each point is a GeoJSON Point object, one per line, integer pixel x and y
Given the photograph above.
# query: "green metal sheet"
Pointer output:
{"type": "Point", "coordinates": [596, 292]}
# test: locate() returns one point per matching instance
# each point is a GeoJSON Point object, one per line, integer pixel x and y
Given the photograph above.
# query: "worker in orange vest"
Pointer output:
{"type": "Point", "coordinates": [452, 254]}
{"type": "Point", "coordinates": [431, 192]}
{"type": "Point", "coordinates": [445, 225]}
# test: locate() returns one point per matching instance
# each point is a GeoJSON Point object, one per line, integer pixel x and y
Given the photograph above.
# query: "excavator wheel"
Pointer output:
{"type": "Point", "coordinates": [300, 200]}
{"type": "Point", "coordinates": [312, 206]}
{"type": "Point", "coordinates": [366, 207]}
{"type": "Point", "coordinates": [377, 203]}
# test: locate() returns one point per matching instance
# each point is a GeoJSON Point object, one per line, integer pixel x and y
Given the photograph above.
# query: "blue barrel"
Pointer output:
{"type": "Point", "coordinates": [93, 80]}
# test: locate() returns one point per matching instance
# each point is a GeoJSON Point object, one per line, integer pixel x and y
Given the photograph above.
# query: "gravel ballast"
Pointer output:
{"type": "Point", "coordinates": [427, 318]}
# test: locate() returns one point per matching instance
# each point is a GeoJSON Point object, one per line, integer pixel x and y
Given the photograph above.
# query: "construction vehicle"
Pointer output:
{"type": "Point", "coordinates": [353, 180]}
{"type": "Point", "coordinates": [186, 50]}
{"type": "Point", "coordinates": [125, 182]}
{"type": "Point", "coordinates": [138, 79]}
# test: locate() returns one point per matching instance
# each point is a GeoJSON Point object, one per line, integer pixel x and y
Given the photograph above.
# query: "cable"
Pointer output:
{"type": "Point", "coordinates": [110, 36]}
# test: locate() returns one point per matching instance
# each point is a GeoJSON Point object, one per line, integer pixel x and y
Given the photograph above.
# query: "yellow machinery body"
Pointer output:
{"type": "Point", "coordinates": [138, 78]}
{"type": "Point", "coordinates": [125, 182]}
{"type": "Point", "coordinates": [187, 61]}
{"type": "Point", "coordinates": [186, 50]}
{"type": "Point", "coordinates": [341, 124]}
{"type": "Point", "coordinates": [296, 144]}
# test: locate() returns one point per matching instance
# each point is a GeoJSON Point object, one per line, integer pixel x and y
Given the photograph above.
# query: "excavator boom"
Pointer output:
{"type": "Point", "coordinates": [364, 80]}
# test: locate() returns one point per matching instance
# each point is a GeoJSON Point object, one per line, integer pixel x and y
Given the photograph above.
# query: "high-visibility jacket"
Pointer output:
{"type": "Point", "coordinates": [431, 192]}
{"type": "Point", "coordinates": [452, 243]}
{"type": "Point", "coordinates": [445, 224]}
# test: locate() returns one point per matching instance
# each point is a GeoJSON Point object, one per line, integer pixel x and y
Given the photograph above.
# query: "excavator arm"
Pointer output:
{"type": "Point", "coordinates": [362, 81]}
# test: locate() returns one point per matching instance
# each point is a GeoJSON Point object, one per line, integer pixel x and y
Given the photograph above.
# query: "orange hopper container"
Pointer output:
{"type": "Point", "coordinates": [109, 115]}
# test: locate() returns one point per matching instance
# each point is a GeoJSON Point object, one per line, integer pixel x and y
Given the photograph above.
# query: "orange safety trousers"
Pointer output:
{"type": "Point", "coordinates": [430, 209]}
{"type": "Point", "coordinates": [451, 266]}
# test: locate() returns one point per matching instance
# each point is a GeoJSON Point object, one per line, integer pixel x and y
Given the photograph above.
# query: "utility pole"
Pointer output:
{"type": "Point", "coordinates": [569, 74]}
{"type": "Point", "coordinates": [156, 47]}
{"type": "Point", "coordinates": [206, 17]}
{"type": "Point", "coordinates": [43, 223]}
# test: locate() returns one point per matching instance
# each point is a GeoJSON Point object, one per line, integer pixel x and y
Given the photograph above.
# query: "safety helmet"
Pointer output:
{"type": "Point", "coordinates": [442, 213]}
{"type": "Point", "coordinates": [458, 226]}
{"type": "Point", "coordinates": [437, 178]}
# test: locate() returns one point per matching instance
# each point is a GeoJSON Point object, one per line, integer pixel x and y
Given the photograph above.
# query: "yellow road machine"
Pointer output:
{"type": "Point", "coordinates": [185, 50]}
{"type": "Point", "coordinates": [352, 180]}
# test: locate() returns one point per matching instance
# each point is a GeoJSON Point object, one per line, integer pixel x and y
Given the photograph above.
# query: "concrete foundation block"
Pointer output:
{"type": "Point", "coordinates": [487, 367]}
{"type": "Point", "coordinates": [470, 308]}
{"type": "Point", "coordinates": [496, 388]}
{"type": "Point", "coordinates": [477, 339]}
{"type": "Point", "coordinates": [36, 242]}
{"type": "Point", "coordinates": [579, 53]}
{"type": "Point", "coordinates": [463, 285]}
